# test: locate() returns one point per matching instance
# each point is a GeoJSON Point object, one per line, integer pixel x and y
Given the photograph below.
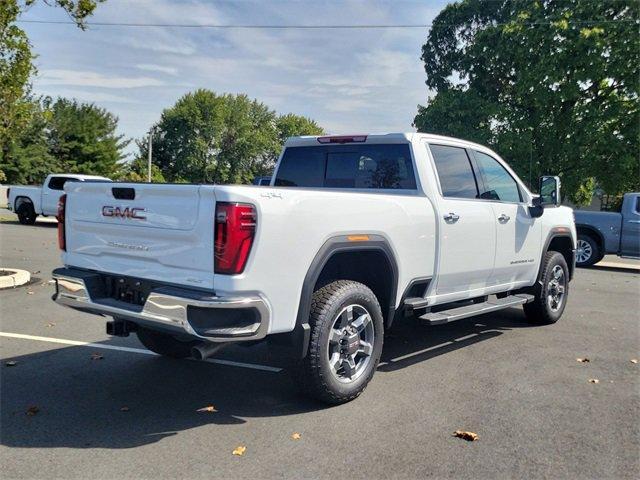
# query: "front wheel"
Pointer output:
{"type": "Point", "coordinates": [347, 332]}
{"type": "Point", "coordinates": [551, 291]}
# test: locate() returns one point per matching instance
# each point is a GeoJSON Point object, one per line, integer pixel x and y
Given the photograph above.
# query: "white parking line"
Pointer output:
{"type": "Point", "coordinates": [61, 341]}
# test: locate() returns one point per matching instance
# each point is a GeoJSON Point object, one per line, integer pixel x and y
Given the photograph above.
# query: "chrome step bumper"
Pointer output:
{"type": "Point", "coordinates": [167, 308]}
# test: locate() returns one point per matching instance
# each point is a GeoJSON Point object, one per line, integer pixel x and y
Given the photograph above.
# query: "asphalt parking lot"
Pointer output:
{"type": "Point", "coordinates": [110, 410]}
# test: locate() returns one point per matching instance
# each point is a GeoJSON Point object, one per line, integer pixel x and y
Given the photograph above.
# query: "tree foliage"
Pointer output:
{"type": "Point", "coordinates": [64, 136]}
{"type": "Point", "coordinates": [550, 83]}
{"type": "Point", "coordinates": [211, 138]}
{"type": "Point", "coordinates": [16, 69]}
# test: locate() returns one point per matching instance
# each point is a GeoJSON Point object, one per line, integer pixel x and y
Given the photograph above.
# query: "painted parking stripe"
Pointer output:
{"type": "Point", "coordinates": [61, 341]}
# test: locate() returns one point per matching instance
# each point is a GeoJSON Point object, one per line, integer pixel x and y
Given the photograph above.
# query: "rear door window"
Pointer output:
{"type": "Point", "coordinates": [454, 170]}
{"type": "Point", "coordinates": [370, 166]}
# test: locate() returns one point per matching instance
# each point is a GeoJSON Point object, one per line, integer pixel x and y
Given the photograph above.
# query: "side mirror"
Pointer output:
{"type": "Point", "coordinates": [549, 190]}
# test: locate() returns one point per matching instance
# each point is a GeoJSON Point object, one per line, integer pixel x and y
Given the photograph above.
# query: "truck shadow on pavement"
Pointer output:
{"type": "Point", "coordinates": [125, 400]}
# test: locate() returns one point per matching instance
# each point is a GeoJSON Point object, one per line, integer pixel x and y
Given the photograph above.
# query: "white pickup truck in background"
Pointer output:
{"type": "Point", "coordinates": [353, 234]}
{"type": "Point", "coordinates": [29, 202]}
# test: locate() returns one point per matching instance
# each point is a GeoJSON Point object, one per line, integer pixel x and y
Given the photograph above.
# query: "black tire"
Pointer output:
{"type": "Point", "coordinates": [594, 257]}
{"type": "Point", "coordinates": [314, 375]}
{"type": "Point", "coordinates": [26, 214]}
{"type": "Point", "coordinates": [540, 311]}
{"type": "Point", "coordinates": [165, 344]}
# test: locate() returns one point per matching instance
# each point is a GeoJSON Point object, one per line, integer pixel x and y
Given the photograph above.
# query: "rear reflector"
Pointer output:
{"type": "Point", "coordinates": [235, 227]}
{"type": "Point", "coordinates": [343, 139]}
{"type": "Point", "coordinates": [62, 239]}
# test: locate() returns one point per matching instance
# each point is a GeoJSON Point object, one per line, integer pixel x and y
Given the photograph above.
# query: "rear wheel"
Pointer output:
{"type": "Point", "coordinates": [551, 291]}
{"type": "Point", "coordinates": [587, 251]}
{"type": "Point", "coordinates": [26, 214]}
{"type": "Point", "coordinates": [346, 342]}
{"type": "Point", "coordinates": [165, 344]}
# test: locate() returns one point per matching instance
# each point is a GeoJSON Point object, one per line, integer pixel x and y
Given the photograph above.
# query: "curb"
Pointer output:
{"type": "Point", "coordinates": [15, 279]}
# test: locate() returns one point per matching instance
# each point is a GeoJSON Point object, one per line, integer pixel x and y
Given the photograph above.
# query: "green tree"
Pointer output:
{"type": "Point", "coordinates": [291, 125]}
{"type": "Point", "coordinates": [82, 138]}
{"type": "Point", "coordinates": [29, 160]}
{"type": "Point", "coordinates": [16, 68]}
{"type": "Point", "coordinates": [210, 138]}
{"type": "Point", "coordinates": [549, 84]}
{"type": "Point", "coordinates": [136, 171]}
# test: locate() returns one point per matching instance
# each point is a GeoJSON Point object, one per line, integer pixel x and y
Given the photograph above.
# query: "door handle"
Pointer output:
{"type": "Point", "coordinates": [633, 221]}
{"type": "Point", "coordinates": [451, 217]}
{"type": "Point", "coordinates": [504, 218]}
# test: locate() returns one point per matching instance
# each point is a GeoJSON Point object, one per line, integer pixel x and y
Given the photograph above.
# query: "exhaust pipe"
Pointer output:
{"type": "Point", "coordinates": [205, 350]}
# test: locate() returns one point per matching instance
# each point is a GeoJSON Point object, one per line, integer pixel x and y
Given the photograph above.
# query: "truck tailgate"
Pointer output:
{"type": "Point", "coordinates": [157, 232]}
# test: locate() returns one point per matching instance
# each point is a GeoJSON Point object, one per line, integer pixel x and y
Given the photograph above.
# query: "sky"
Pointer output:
{"type": "Point", "coordinates": [349, 81]}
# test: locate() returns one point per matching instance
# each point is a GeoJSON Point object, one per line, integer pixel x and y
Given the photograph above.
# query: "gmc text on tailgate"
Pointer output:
{"type": "Point", "coordinates": [353, 234]}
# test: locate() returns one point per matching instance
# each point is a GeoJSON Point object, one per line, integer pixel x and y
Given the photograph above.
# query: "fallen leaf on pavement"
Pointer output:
{"type": "Point", "coordinates": [239, 451]}
{"type": "Point", "coordinates": [583, 360]}
{"type": "Point", "coordinates": [594, 380]}
{"type": "Point", "coordinates": [469, 436]}
{"type": "Point", "coordinates": [11, 363]}
{"type": "Point", "coordinates": [32, 410]}
{"type": "Point", "coordinates": [296, 436]}
{"type": "Point", "coordinates": [96, 356]}
{"type": "Point", "coordinates": [634, 360]}
{"type": "Point", "coordinates": [36, 272]}
{"type": "Point", "coordinates": [30, 292]}
{"type": "Point", "coordinates": [49, 325]}
{"type": "Point", "coordinates": [209, 408]}
{"type": "Point", "coordinates": [124, 409]}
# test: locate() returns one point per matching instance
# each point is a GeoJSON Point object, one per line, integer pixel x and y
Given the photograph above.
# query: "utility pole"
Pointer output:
{"type": "Point", "coordinates": [150, 153]}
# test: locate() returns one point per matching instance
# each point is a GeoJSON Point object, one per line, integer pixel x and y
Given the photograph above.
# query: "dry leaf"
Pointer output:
{"type": "Point", "coordinates": [30, 292]}
{"type": "Point", "coordinates": [49, 325]}
{"type": "Point", "coordinates": [583, 360]}
{"type": "Point", "coordinates": [11, 363]}
{"type": "Point", "coordinates": [239, 451]}
{"type": "Point", "coordinates": [209, 408]}
{"type": "Point", "coordinates": [124, 409]}
{"type": "Point", "coordinates": [96, 356]}
{"type": "Point", "coordinates": [594, 380]}
{"type": "Point", "coordinates": [32, 410]}
{"type": "Point", "coordinates": [469, 436]}
{"type": "Point", "coordinates": [36, 272]}
{"type": "Point", "coordinates": [296, 436]}
{"type": "Point", "coordinates": [634, 360]}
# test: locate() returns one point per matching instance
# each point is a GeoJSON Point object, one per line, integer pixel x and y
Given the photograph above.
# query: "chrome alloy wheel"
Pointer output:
{"type": "Point", "coordinates": [351, 342]}
{"type": "Point", "coordinates": [583, 251]}
{"type": "Point", "coordinates": [556, 288]}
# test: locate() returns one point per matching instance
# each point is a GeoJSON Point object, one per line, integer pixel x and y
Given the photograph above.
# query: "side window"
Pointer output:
{"type": "Point", "coordinates": [498, 183]}
{"type": "Point", "coordinates": [454, 171]}
{"type": "Point", "coordinates": [57, 183]}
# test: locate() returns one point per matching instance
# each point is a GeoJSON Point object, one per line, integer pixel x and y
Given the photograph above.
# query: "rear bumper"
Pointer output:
{"type": "Point", "coordinates": [195, 313]}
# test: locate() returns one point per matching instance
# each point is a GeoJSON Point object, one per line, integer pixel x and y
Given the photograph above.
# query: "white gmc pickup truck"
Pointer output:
{"type": "Point", "coordinates": [29, 202]}
{"type": "Point", "coordinates": [353, 234]}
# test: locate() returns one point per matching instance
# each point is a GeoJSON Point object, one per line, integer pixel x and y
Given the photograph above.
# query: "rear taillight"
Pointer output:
{"type": "Point", "coordinates": [235, 228]}
{"type": "Point", "coordinates": [62, 205]}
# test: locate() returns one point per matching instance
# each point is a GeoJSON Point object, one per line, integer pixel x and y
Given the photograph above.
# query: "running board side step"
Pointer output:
{"type": "Point", "coordinates": [493, 305]}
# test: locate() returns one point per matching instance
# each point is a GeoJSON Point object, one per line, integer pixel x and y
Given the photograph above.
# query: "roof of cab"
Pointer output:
{"type": "Point", "coordinates": [80, 176]}
{"type": "Point", "coordinates": [406, 137]}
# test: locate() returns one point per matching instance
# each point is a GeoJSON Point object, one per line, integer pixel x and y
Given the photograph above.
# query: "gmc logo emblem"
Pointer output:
{"type": "Point", "coordinates": [128, 212]}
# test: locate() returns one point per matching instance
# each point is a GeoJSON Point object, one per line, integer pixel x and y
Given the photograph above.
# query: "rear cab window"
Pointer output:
{"type": "Point", "coordinates": [365, 166]}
